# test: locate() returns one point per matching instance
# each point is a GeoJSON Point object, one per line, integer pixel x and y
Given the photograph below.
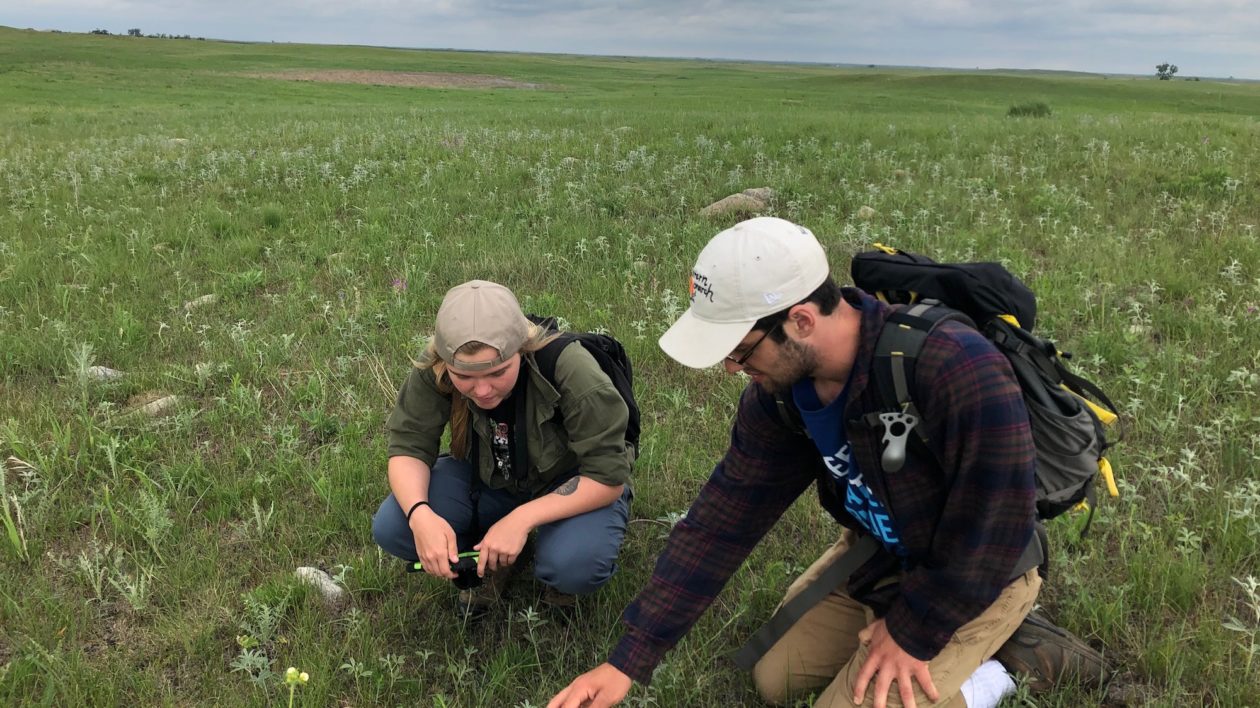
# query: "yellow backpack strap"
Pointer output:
{"type": "Point", "coordinates": [882, 296]}
{"type": "Point", "coordinates": [1105, 416]}
{"type": "Point", "coordinates": [1108, 476]}
{"type": "Point", "coordinates": [886, 249]}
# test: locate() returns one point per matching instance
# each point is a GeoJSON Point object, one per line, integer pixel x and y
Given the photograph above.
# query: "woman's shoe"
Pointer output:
{"type": "Point", "coordinates": [474, 602]}
{"type": "Point", "coordinates": [556, 600]}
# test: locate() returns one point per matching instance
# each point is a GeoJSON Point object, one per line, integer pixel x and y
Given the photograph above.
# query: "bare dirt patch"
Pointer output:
{"type": "Point", "coordinates": [396, 78]}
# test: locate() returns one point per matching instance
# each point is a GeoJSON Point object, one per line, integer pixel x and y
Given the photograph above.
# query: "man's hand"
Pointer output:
{"type": "Point", "coordinates": [600, 687]}
{"type": "Point", "coordinates": [888, 662]}
{"type": "Point", "coordinates": [502, 543]}
{"type": "Point", "coordinates": [435, 543]}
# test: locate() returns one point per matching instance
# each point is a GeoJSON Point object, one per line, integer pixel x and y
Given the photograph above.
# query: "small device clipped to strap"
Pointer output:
{"type": "Point", "coordinates": [896, 352]}
{"type": "Point", "coordinates": [897, 427]}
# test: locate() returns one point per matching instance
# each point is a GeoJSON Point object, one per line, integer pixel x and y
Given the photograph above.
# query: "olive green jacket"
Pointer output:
{"type": "Point", "coordinates": [591, 438]}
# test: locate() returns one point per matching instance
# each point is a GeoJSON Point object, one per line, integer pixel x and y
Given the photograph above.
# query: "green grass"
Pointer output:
{"type": "Point", "coordinates": [1034, 109]}
{"type": "Point", "coordinates": [140, 560]}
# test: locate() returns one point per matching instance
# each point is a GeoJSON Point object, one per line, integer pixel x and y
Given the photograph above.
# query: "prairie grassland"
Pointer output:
{"type": "Point", "coordinates": [150, 560]}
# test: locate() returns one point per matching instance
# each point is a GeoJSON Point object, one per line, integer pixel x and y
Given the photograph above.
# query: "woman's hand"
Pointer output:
{"type": "Point", "coordinates": [502, 543]}
{"type": "Point", "coordinates": [435, 543]}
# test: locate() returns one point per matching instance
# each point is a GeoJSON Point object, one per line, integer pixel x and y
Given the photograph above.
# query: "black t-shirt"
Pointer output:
{"type": "Point", "coordinates": [502, 426]}
{"type": "Point", "coordinates": [502, 420]}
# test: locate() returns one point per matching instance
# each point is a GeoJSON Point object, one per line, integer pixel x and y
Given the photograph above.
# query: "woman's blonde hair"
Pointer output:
{"type": "Point", "coordinates": [460, 433]}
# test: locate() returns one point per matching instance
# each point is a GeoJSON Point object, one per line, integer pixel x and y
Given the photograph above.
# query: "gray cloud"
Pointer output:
{"type": "Point", "coordinates": [1210, 37]}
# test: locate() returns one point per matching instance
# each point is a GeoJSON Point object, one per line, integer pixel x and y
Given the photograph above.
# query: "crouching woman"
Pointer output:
{"type": "Point", "coordinates": [526, 453]}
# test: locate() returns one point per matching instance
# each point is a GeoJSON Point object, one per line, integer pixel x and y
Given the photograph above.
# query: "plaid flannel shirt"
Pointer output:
{"type": "Point", "coordinates": [965, 517]}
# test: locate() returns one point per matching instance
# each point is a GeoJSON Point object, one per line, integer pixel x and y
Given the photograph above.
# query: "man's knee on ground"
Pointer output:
{"type": "Point", "coordinates": [772, 680]}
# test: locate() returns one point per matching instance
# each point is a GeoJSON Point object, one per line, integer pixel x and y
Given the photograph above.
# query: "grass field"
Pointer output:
{"type": "Point", "coordinates": [151, 560]}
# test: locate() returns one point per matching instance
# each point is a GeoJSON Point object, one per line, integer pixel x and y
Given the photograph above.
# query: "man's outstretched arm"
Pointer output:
{"type": "Point", "coordinates": [764, 470]}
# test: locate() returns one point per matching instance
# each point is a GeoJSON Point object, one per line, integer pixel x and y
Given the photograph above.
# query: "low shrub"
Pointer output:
{"type": "Point", "coordinates": [1035, 109]}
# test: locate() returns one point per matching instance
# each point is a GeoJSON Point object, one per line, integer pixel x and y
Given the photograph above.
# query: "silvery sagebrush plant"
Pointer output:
{"type": "Point", "coordinates": [1249, 628]}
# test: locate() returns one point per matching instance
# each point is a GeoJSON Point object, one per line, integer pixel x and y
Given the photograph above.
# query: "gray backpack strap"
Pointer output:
{"type": "Point", "coordinates": [900, 341]}
{"type": "Point", "coordinates": [747, 656]}
{"type": "Point", "coordinates": [1036, 554]}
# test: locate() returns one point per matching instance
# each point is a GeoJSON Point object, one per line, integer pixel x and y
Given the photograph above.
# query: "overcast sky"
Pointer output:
{"type": "Point", "coordinates": [1203, 37]}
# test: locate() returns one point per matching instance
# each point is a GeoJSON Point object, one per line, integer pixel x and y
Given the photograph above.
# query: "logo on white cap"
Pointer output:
{"type": "Point", "coordinates": [700, 286]}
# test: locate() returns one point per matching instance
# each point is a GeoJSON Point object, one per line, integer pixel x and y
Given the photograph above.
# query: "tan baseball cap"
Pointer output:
{"type": "Point", "coordinates": [479, 311]}
{"type": "Point", "coordinates": [753, 269]}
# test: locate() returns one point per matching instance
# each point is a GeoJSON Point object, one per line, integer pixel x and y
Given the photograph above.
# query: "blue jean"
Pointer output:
{"type": "Point", "coordinates": [576, 555]}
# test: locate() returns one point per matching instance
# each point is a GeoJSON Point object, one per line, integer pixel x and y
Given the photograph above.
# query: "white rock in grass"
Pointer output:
{"type": "Point", "coordinates": [765, 194]}
{"type": "Point", "coordinates": [203, 300]}
{"type": "Point", "coordinates": [331, 594]}
{"type": "Point", "coordinates": [749, 201]}
{"type": "Point", "coordinates": [17, 465]}
{"type": "Point", "coordinates": [103, 373]}
{"type": "Point", "coordinates": [162, 406]}
{"type": "Point", "coordinates": [866, 212]}
{"type": "Point", "coordinates": [153, 404]}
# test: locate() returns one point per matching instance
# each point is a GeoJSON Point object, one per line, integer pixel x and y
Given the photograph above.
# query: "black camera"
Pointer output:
{"type": "Point", "coordinates": [465, 569]}
{"type": "Point", "coordinates": [466, 576]}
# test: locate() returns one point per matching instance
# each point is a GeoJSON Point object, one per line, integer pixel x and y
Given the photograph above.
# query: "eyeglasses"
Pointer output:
{"type": "Point", "coordinates": [749, 351]}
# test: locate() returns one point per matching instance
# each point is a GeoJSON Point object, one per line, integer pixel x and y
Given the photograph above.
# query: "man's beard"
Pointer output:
{"type": "Point", "coordinates": [796, 361]}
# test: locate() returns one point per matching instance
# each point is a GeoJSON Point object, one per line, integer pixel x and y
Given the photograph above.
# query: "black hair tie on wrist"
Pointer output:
{"type": "Point", "coordinates": [415, 506]}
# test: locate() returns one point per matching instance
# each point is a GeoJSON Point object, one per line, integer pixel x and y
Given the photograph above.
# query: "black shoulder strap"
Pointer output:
{"type": "Point", "coordinates": [547, 357]}
{"type": "Point", "coordinates": [832, 577]}
{"type": "Point", "coordinates": [898, 347]}
{"type": "Point", "coordinates": [520, 441]}
{"type": "Point", "coordinates": [790, 414]}
{"type": "Point", "coordinates": [893, 374]}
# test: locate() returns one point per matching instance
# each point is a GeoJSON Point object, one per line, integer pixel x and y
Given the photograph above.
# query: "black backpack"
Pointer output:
{"type": "Point", "coordinates": [608, 353]}
{"type": "Point", "coordinates": [1068, 414]}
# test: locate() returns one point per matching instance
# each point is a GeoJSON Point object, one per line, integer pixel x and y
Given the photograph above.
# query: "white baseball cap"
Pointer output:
{"type": "Point", "coordinates": [753, 269]}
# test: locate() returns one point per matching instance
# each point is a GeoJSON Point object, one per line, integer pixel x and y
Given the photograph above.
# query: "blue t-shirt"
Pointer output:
{"type": "Point", "coordinates": [826, 427]}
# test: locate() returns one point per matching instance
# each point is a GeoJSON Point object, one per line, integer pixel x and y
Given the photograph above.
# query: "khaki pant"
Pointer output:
{"type": "Point", "coordinates": [821, 651]}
